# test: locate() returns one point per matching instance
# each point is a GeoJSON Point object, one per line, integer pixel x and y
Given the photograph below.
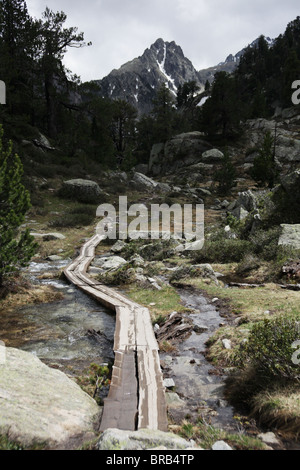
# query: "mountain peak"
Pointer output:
{"type": "Point", "coordinates": [137, 81]}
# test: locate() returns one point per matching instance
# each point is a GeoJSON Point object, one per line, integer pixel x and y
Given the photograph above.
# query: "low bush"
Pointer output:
{"type": "Point", "coordinates": [270, 349]}
{"type": "Point", "coordinates": [223, 251]}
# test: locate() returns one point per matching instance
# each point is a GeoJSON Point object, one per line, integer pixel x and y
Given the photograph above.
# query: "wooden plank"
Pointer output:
{"type": "Point", "coordinates": [145, 336]}
{"type": "Point", "coordinates": [152, 403]}
{"type": "Point", "coordinates": [136, 397]}
{"type": "Point", "coordinates": [120, 407]}
{"type": "Point", "coordinates": [125, 337]}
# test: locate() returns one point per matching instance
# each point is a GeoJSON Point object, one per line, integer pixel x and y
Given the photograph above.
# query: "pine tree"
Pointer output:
{"type": "Point", "coordinates": [54, 40]}
{"type": "Point", "coordinates": [226, 175]}
{"type": "Point", "coordinates": [265, 170]}
{"type": "Point", "coordinates": [16, 55]}
{"type": "Point", "coordinates": [221, 112]}
{"type": "Point", "coordinates": [16, 249]}
{"type": "Point", "coordinates": [163, 113]}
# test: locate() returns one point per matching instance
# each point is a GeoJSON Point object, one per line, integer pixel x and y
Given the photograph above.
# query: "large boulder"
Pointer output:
{"type": "Point", "coordinates": [291, 181]}
{"type": "Point", "coordinates": [81, 190]}
{"type": "Point", "coordinates": [142, 183]}
{"type": "Point", "coordinates": [212, 156]}
{"type": "Point", "coordinates": [290, 236]}
{"type": "Point", "coordinates": [241, 207]}
{"type": "Point", "coordinates": [40, 405]}
{"type": "Point", "coordinates": [180, 151]}
{"type": "Point", "coordinates": [287, 149]}
{"type": "Point", "coordinates": [144, 439]}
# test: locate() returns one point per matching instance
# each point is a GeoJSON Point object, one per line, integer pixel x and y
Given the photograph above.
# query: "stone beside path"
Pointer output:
{"type": "Point", "coordinates": [42, 406]}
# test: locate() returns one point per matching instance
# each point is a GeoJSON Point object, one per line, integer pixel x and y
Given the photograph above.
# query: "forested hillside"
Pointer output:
{"type": "Point", "coordinates": [44, 97]}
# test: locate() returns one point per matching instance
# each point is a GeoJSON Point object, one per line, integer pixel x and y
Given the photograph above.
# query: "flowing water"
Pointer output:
{"type": "Point", "coordinates": [196, 381]}
{"type": "Point", "coordinates": [57, 332]}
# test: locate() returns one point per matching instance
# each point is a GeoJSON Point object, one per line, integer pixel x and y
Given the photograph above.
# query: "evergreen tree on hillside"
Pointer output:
{"type": "Point", "coordinates": [163, 113]}
{"type": "Point", "coordinates": [265, 169]}
{"type": "Point", "coordinates": [16, 249]}
{"type": "Point", "coordinates": [54, 40]}
{"type": "Point", "coordinates": [221, 112]}
{"type": "Point", "coordinates": [122, 129]}
{"type": "Point", "coordinates": [17, 50]}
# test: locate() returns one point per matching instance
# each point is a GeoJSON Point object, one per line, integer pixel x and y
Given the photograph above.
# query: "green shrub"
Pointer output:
{"type": "Point", "coordinates": [223, 251]}
{"type": "Point", "coordinates": [269, 349]}
{"type": "Point", "coordinates": [265, 243]}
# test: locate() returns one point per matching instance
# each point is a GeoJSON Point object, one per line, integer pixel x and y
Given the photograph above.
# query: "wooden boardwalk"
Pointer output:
{"type": "Point", "coordinates": [136, 398]}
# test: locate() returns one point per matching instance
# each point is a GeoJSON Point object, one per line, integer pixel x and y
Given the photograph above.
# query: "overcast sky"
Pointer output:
{"type": "Point", "coordinates": [207, 30]}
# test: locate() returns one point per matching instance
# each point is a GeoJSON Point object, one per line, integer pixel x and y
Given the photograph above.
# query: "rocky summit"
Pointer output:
{"type": "Point", "coordinates": [164, 62]}
{"type": "Point", "coordinates": [138, 80]}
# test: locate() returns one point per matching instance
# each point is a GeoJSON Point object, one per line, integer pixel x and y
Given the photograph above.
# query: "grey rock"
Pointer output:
{"type": "Point", "coordinates": [48, 236]}
{"type": "Point", "coordinates": [54, 258]}
{"type": "Point", "coordinates": [290, 236]}
{"type": "Point", "coordinates": [143, 183]}
{"type": "Point", "coordinates": [169, 383]}
{"type": "Point", "coordinates": [227, 344]}
{"type": "Point", "coordinates": [269, 438]}
{"type": "Point", "coordinates": [163, 188]}
{"type": "Point", "coordinates": [137, 261]}
{"type": "Point", "coordinates": [180, 152]}
{"type": "Point", "coordinates": [110, 263]}
{"type": "Point", "coordinates": [287, 150]}
{"type": "Point", "coordinates": [212, 156]}
{"type": "Point", "coordinates": [81, 190]}
{"type": "Point", "coordinates": [199, 329]}
{"type": "Point", "coordinates": [42, 405]}
{"type": "Point", "coordinates": [221, 445]}
{"type": "Point", "coordinates": [118, 247]}
{"type": "Point", "coordinates": [173, 400]}
{"type": "Point", "coordinates": [291, 181]}
{"type": "Point", "coordinates": [144, 439]}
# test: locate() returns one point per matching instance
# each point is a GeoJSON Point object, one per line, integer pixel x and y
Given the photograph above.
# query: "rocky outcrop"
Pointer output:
{"type": "Point", "coordinates": [142, 182]}
{"type": "Point", "coordinates": [137, 81]}
{"type": "Point", "coordinates": [246, 203]}
{"type": "Point", "coordinates": [42, 406]}
{"type": "Point", "coordinates": [285, 133]}
{"type": "Point", "coordinates": [290, 236]}
{"type": "Point", "coordinates": [178, 153]}
{"type": "Point", "coordinates": [81, 190]}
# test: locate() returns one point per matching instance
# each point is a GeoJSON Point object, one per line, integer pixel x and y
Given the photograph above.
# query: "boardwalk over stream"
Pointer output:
{"type": "Point", "coordinates": [136, 398]}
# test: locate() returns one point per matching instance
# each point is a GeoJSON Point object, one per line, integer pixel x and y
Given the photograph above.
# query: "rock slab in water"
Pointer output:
{"type": "Point", "coordinates": [40, 405]}
{"type": "Point", "coordinates": [144, 439]}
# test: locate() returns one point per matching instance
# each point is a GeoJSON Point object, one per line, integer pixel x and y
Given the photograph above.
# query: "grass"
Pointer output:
{"type": "Point", "coordinates": [7, 444]}
{"type": "Point", "coordinates": [251, 304]}
{"type": "Point", "coordinates": [205, 436]}
{"type": "Point", "coordinates": [29, 295]}
{"type": "Point", "coordinates": [279, 407]}
{"type": "Point", "coordinates": [275, 404]}
{"type": "Point", "coordinates": [160, 302]}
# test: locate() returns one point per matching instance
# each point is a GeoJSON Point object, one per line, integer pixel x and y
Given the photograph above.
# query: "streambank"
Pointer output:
{"type": "Point", "coordinates": [199, 386]}
{"type": "Point", "coordinates": [58, 332]}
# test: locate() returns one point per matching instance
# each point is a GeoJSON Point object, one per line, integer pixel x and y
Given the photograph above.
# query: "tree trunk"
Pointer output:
{"type": "Point", "coordinates": [49, 89]}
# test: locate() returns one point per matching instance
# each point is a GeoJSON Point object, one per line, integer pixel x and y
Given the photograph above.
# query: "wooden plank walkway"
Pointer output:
{"type": "Point", "coordinates": [136, 398]}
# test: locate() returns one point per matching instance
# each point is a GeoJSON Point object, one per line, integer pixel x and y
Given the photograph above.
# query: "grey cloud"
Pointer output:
{"type": "Point", "coordinates": [207, 30]}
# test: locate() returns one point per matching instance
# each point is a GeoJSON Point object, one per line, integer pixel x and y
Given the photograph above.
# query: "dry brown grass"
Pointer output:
{"type": "Point", "coordinates": [279, 408]}
{"type": "Point", "coordinates": [29, 296]}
